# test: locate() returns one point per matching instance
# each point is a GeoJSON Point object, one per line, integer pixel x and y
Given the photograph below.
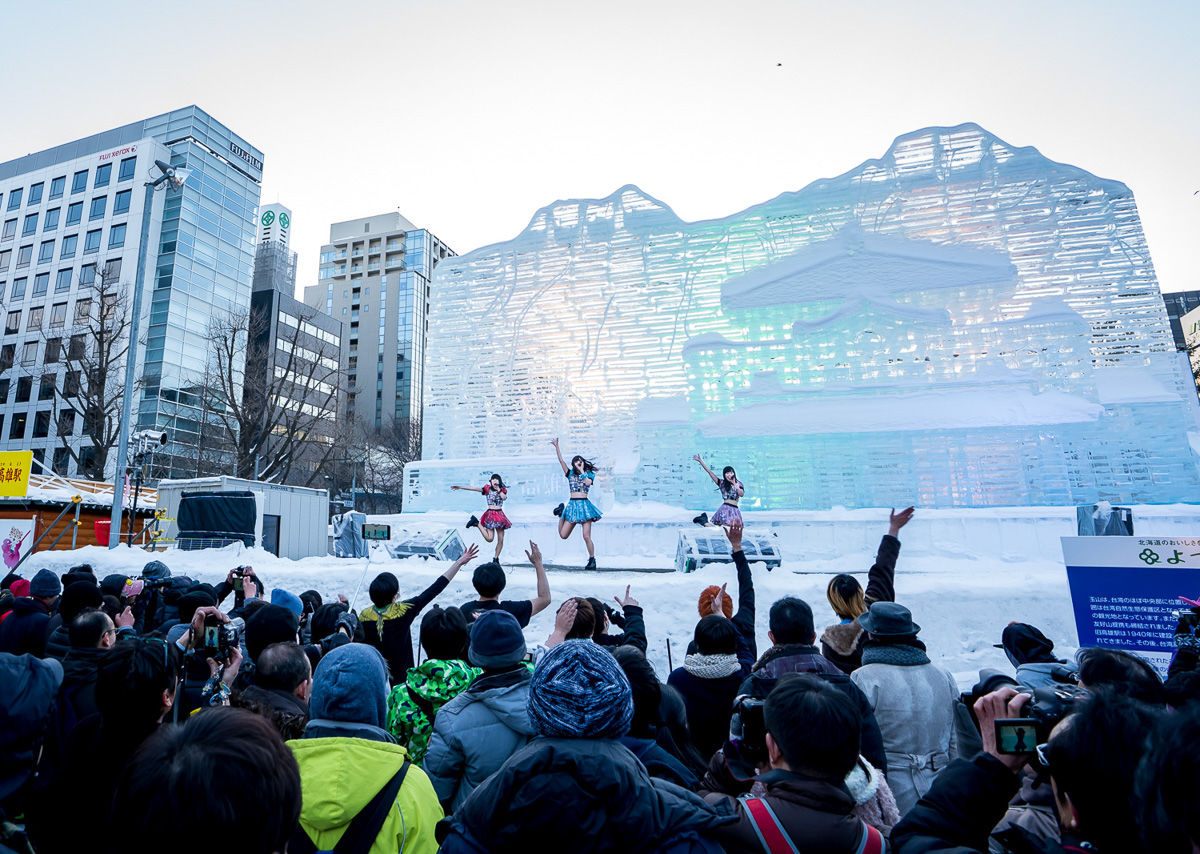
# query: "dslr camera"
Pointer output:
{"type": "Point", "coordinates": [1048, 705]}
{"type": "Point", "coordinates": [219, 638]}
{"type": "Point", "coordinates": [748, 729]}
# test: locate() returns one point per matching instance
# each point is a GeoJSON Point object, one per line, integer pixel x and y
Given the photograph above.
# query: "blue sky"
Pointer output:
{"type": "Point", "coordinates": [468, 116]}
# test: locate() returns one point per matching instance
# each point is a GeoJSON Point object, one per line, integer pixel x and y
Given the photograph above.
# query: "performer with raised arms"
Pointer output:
{"type": "Point", "coordinates": [731, 490]}
{"type": "Point", "coordinates": [581, 476]}
{"type": "Point", "coordinates": [493, 523]}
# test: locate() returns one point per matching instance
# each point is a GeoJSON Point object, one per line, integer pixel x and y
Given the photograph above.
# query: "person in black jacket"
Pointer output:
{"type": "Point", "coordinates": [387, 623]}
{"type": "Point", "coordinates": [26, 629]}
{"type": "Point", "coordinates": [842, 642]}
{"type": "Point", "coordinates": [1091, 759]}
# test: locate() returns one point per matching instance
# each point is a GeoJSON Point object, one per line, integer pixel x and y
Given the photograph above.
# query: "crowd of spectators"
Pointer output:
{"type": "Point", "coordinates": [150, 712]}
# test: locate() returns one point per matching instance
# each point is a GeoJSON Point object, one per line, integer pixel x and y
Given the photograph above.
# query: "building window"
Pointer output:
{"type": "Point", "coordinates": [35, 193]}
{"type": "Point", "coordinates": [91, 243]}
{"type": "Point", "coordinates": [35, 318]}
{"type": "Point", "coordinates": [57, 186]}
{"type": "Point", "coordinates": [112, 269]}
{"type": "Point", "coordinates": [10, 229]}
{"type": "Point", "coordinates": [83, 310]}
{"type": "Point", "coordinates": [14, 199]}
{"type": "Point", "coordinates": [41, 284]}
{"type": "Point", "coordinates": [58, 315]}
{"type": "Point", "coordinates": [127, 167]}
{"type": "Point", "coordinates": [87, 274]}
{"type": "Point", "coordinates": [68, 246]}
{"type": "Point", "coordinates": [24, 389]}
{"type": "Point", "coordinates": [63, 282]}
{"type": "Point", "coordinates": [74, 213]}
{"type": "Point", "coordinates": [53, 352]}
{"type": "Point", "coordinates": [16, 430]}
{"type": "Point", "coordinates": [71, 384]}
{"type": "Point", "coordinates": [41, 425]}
{"type": "Point", "coordinates": [24, 255]}
{"type": "Point", "coordinates": [46, 387]}
{"type": "Point", "coordinates": [30, 226]}
{"type": "Point", "coordinates": [76, 348]}
{"type": "Point", "coordinates": [121, 202]}
{"type": "Point", "coordinates": [103, 174]}
{"type": "Point", "coordinates": [46, 252]}
{"type": "Point", "coordinates": [3, 392]}
{"type": "Point", "coordinates": [62, 459]}
{"type": "Point", "coordinates": [5, 260]}
{"type": "Point", "coordinates": [116, 236]}
{"type": "Point", "coordinates": [79, 182]}
{"type": "Point", "coordinates": [99, 206]}
{"type": "Point", "coordinates": [7, 353]}
{"type": "Point", "coordinates": [51, 222]}
{"type": "Point", "coordinates": [18, 291]}
{"type": "Point", "coordinates": [66, 426]}
{"type": "Point", "coordinates": [29, 354]}
{"type": "Point", "coordinates": [13, 324]}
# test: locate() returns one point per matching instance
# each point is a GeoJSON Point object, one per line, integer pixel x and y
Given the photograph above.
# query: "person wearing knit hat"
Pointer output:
{"type": "Point", "coordinates": [45, 585]}
{"type": "Point", "coordinates": [577, 782]}
{"type": "Point", "coordinates": [284, 599]}
{"type": "Point", "coordinates": [156, 569]}
{"type": "Point", "coordinates": [476, 732]}
{"type": "Point", "coordinates": [76, 598]}
{"type": "Point", "coordinates": [270, 624]}
{"type": "Point", "coordinates": [26, 628]}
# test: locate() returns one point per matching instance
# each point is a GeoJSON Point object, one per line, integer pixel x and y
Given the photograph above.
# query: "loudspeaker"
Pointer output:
{"type": "Point", "coordinates": [709, 545]}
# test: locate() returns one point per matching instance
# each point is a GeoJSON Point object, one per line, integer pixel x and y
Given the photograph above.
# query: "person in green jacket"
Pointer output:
{"type": "Point", "coordinates": [346, 758]}
{"type": "Point", "coordinates": [436, 681]}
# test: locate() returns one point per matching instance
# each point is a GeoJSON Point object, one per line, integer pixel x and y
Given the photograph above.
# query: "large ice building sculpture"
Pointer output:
{"type": "Point", "coordinates": [959, 323]}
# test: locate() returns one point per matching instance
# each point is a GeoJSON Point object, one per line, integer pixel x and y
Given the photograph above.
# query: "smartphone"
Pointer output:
{"type": "Point", "coordinates": [239, 583]}
{"type": "Point", "coordinates": [212, 632]}
{"type": "Point", "coordinates": [1016, 735]}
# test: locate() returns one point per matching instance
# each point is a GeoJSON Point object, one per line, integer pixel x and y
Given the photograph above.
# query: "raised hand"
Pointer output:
{"type": "Point", "coordinates": [734, 534]}
{"type": "Point", "coordinates": [554, 441]}
{"type": "Point", "coordinates": [896, 521]}
{"type": "Point", "coordinates": [627, 601]}
{"type": "Point", "coordinates": [696, 457]}
{"type": "Point", "coordinates": [534, 554]}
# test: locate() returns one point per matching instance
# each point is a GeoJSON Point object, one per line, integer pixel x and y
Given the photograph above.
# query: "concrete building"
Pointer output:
{"type": "Point", "coordinates": [75, 212]}
{"type": "Point", "coordinates": [1178, 304]}
{"type": "Point", "coordinates": [1190, 325]}
{"type": "Point", "coordinates": [374, 276]}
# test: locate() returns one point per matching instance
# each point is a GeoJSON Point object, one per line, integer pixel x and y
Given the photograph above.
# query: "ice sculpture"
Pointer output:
{"type": "Point", "coordinates": [959, 323]}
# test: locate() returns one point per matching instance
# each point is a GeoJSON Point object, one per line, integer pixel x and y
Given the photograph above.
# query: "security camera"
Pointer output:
{"type": "Point", "coordinates": [151, 437]}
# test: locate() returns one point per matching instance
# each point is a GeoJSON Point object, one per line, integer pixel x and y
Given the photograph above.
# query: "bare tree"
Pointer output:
{"type": "Point", "coordinates": [383, 455]}
{"type": "Point", "coordinates": [275, 399]}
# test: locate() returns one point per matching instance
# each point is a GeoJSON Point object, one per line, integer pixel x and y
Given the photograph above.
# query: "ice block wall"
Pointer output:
{"type": "Point", "coordinates": [958, 323]}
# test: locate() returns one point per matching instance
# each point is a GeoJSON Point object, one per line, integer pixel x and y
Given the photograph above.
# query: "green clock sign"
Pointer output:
{"type": "Point", "coordinates": [284, 220]}
{"type": "Point", "coordinates": [268, 217]}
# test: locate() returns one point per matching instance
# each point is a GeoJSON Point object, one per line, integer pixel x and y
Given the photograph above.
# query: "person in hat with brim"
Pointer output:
{"type": "Point", "coordinates": [913, 700]}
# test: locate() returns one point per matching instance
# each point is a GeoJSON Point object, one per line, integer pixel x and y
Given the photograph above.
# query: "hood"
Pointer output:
{"type": "Point", "coordinates": [820, 795]}
{"type": "Point", "coordinates": [842, 638]}
{"type": "Point", "coordinates": [437, 680]}
{"type": "Point", "coordinates": [506, 695]}
{"type": "Point", "coordinates": [82, 664]}
{"type": "Point", "coordinates": [350, 684]}
{"type": "Point", "coordinates": [30, 688]}
{"type": "Point", "coordinates": [1025, 644]}
{"type": "Point", "coordinates": [793, 658]}
{"type": "Point", "coordinates": [29, 605]}
{"type": "Point", "coordinates": [339, 776]}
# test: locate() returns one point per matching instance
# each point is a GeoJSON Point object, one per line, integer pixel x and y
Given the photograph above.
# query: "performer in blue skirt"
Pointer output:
{"type": "Point", "coordinates": [581, 476]}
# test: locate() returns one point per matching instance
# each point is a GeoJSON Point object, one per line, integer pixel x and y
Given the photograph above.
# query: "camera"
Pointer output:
{"type": "Point", "coordinates": [1047, 706]}
{"type": "Point", "coordinates": [218, 638]}
{"type": "Point", "coordinates": [748, 728]}
{"type": "Point", "coordinates": [239, 578]}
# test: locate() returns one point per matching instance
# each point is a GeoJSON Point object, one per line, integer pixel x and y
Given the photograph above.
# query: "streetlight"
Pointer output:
{"type": "Point", "coordinates": [171, 178]}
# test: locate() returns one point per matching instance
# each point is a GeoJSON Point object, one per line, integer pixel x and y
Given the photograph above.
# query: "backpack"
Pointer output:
{"type": "Point", "coordinates": [363, 829]}
{"type": "Point", "coordinates": [775, 840]}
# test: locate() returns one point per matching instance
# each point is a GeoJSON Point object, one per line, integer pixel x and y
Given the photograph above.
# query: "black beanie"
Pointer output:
{"type": "Point", "coordinates": [77, 598]}
{"type": "Point", "coordinates": [270, 624]}
{"type": "Point", "coordinates": [190, 601]}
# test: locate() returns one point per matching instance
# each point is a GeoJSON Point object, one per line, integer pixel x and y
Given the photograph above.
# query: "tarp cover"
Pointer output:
{"type": "Point", "coordinates": [217, 515]}
{"type": "Point", "coordinates": [348, 539]}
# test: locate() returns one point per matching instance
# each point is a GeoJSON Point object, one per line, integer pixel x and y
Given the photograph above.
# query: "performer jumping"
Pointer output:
{"type": "Point", "coordinates": [581, 476]}
{"type": "Point", "coordinates": [731, 490]}
{"type": "Point", "coordinates": [493, 523]}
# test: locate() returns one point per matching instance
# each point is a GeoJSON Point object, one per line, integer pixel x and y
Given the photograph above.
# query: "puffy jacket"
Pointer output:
{"type": "Point", "coordinates": [914, 707]}
{"type": "Point", "coordinates": [476, 732]}
{"type": "Point", "coordinates": [592, 794]}
{"type": "Point", "coordinates": [413, 706]}
{"type": "Point", "coordinates": [58, 644]}
{"type": "Point", "coordinates": [339, 776]}
{"type": "Point", "coordinates": [25, 629]}
{"type": "Point", "coordinates": [842, 643]}
{"type": "Point", "coordinates": [30, 688]}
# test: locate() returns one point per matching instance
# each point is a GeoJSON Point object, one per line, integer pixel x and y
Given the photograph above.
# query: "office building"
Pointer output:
{"type": "Point", "coordinates": [374, 276]}
{"type": "Point", "coordinates": [73, 213]}
{"type": "Point", "coordinates": [1178, 304]}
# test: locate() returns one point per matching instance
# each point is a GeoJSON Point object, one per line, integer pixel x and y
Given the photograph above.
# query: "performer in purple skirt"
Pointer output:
{"type": "Point", "coordinates": [731, 490]}
{"type": "Point", "coordinates": [493, 523]}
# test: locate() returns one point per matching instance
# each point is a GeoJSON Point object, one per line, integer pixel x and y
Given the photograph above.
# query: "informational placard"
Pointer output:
{"type": "Point", "coordinates": [1125, 590]}
{"type": "Point", "coordinates": [14, 473]}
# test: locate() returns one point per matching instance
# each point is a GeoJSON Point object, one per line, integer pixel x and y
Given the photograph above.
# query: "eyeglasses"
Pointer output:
{"type": "Point", "coordinates": [1043, 758]}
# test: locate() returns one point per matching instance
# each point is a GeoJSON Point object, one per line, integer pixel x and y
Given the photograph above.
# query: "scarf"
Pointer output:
{"type": "Point", "coordinates": [711, 666]}
{"type": "Point", "coordinates": [902, 655]}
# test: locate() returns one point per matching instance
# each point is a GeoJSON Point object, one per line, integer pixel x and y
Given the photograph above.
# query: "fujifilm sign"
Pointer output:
{"type": "Point", "coordinates": [246, 155]}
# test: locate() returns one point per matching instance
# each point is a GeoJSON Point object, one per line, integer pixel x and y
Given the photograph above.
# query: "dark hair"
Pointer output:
{"type": "Point", "coordinates": [728, 470]}
{"type": "Point", "coordinates": [715, 635]}
{"type": "Point", "coordinates": [444, 633]}
{"type": "Point", "coordinates": [489, 579]}
{"type": "Point", "coordinates": [1167, 785]}
{"type": "Point", "coordinates": [281, 667]}
{"type": "Point", "coordinates": [587, 464]}
{"type": "Point", "coordinates": [601, 614]}
{"type": "Point", "coordinates": [497, 477]}
{"type": "Point", "coordinates": [312, 600]}
{"type": "Point", "coordinates": [647, 690]}
{"type": "Point", "coordinates": [1093, 758]}
{"type": "Point", "coordinates": [112, 606]}
{"type": "Point", "coordinates": [88, 628]}
{"type": "Point", "coordinates": [791, 621]}
{"type": "Point", "coordinates": [324, 620]}
{"type": "Point", "coordinates": [585, 619]}
{"type": "Point", "coordinates": [815, 726]}
{"type": "Point", "coordinates": [8, 580]}
{"type": "Point", "coordinates": [672, 712]}
{"type": "Point", "coordinates": [270, 624]}
{"type": "Point", "coordinates": [178, 787]}
{"type": "Point", "coordinates": [1182, 688]}
{"type": "Point", "coordinates": [77, 598]}
{"type": "Point", "coordinates": [383, 589]}
{"type": "Point", "coordinates": [1121, 672]}
{"type": "Point", "coordinates": [129, 686]}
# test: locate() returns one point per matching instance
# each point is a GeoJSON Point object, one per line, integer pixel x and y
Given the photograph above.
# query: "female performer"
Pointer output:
{"type": "Point", "coordinates": [581, 476]}
{"type": "Point", "coordinates": [494, 523]}
{"type": "Point", "coordinates": [731, 490]}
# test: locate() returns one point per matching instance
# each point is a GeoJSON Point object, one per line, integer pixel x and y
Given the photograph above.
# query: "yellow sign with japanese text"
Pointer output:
{"type": "Point", "coordinates": [14, 473]}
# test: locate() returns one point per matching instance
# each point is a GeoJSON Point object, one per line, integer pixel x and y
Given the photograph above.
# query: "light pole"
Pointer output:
{"type": "Point", "coordinates": [172, 178]}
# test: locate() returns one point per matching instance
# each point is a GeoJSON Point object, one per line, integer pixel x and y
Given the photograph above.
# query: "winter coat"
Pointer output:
{"type": "Point", "coordinates": [962, 807]}
{"type": "Point", "coordinates": [413, 706]}
{"type": "Point", "coordinates": [58, 644]}
{"type": "Point", "coordinates": [799, 658]}
{"type": "Point", "coordinates": [339, 776]}
{"type": "Point", "coordinates": [914, 707]}
{"type": "Point", "coordinates": [30, 688]}
{"type": "Point", "coordinates": [476, 732]}
{"type": "Point", "coordinates": [842, 642]}
{"type": "Point", "coordinates": [591, 795]}
{"type": "Point", "coordinates": [659, 762]}
{"type": "Point", "coordinates": [76, 699]}
{"type": "Point", "coordinates": [390, 630]}
{"type": "Point", "coordinates": [818, 815]}
{"type": "Point", "coordinates": [634, 633]}
{"type": "Point", "coordinates": [26, 628]}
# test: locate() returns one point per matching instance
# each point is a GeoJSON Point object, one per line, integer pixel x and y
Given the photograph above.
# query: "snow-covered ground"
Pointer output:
{"type": "Point", "coordinates": [962, 603]}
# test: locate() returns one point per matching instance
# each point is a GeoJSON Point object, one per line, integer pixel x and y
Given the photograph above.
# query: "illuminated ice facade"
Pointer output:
{"type": "Point", "coordinates": [959, 323]}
